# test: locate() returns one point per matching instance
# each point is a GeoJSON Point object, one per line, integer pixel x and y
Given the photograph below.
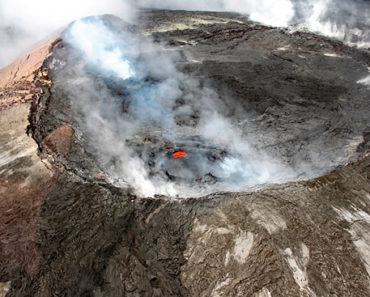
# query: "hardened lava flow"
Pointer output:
{"type": "Point", "coordinates": [264, 130]}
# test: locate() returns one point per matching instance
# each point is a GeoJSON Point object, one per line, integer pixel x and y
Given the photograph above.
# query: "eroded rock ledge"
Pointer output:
{"type": "Point", "coordinates": [304, 238]}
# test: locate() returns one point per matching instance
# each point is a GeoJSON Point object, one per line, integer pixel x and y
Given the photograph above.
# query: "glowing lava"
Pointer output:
{"type": "Point", "coordinates": [179, 154]}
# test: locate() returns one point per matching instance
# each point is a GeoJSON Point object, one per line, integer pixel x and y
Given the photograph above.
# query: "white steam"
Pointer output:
{"type": "Point", "coordinates": [348, 21]}
{"type": "Point", "coordinates": [365, 81]}
{"type": "Point", "coordinates": [155, 86]}
{"type": "Point", "coordinates": [100, 48]}
{"type": "Point", "coordinates": [23, 23]}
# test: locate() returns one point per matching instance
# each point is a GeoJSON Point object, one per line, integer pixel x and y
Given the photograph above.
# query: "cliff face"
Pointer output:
{"type": "Point", "coordinates": [302, 96]}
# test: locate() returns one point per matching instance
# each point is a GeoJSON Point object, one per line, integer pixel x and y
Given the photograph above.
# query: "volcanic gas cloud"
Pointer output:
{"type": "Point", "coordinates": [151, 125]}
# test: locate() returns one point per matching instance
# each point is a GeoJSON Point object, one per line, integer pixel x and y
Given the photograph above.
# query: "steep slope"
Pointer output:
{"type": "Point", "coordinates": [24, 178]}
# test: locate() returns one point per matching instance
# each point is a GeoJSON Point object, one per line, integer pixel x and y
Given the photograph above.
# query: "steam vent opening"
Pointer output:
{"type": "Point", "coordinates": [159, 113]}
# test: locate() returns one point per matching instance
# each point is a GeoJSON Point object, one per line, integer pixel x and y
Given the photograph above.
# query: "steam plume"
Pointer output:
{"type": "Point", "coordinates": [154, 87]}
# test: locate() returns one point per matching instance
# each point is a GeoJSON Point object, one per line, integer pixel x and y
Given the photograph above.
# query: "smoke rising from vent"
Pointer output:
{"type": "Point", "coordinates": [25, 22]}
{"type": "Point", "coordinates": [348, 21]}
{"type": "Point", "coordinates": [128, 119]}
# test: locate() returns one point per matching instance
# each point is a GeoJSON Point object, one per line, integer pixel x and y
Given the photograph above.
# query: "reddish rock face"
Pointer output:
{"type": "Point", "coordinates": [24, 179]}
{"type": "Point", "coordinates": [16, 79]}
{"type": "Point", "coordinates": [59, 141]}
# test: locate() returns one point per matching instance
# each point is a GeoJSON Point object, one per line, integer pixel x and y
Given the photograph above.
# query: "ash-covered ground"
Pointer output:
{"type": "Point", "coordinates": [189, 92]}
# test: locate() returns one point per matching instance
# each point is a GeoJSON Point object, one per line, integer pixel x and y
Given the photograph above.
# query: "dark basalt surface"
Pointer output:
{"type": "Point", "coordinates": [298, 95]}
{"type": "Point", "coordinates": [297, 92]}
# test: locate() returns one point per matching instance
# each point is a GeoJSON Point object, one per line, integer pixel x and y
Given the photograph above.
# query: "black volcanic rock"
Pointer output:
{"type": "Point", "coordinates": [298, 94]}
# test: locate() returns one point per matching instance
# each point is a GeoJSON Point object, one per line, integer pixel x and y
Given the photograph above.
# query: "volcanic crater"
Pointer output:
{"type": "Point", "coordinates": [296, 224]}
{"type": "Point", "coordinates": [297, 102]}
